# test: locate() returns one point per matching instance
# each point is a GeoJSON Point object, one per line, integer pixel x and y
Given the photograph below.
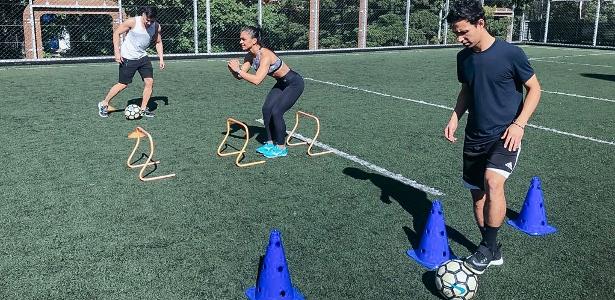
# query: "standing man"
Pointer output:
{"type": "Point", "coordinates": [132, 57]}
{"type": "Point", "coordinates": [493, 74]}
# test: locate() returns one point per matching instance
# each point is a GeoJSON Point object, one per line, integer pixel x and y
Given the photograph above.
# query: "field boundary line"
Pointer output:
{"type": "Point", "coordinates": [449, 108]}
{"type": "Point", "coordinates": [380, 170]}
{"type": "Point", "coordinates": [579, 96]}
{"type": "Point", "coordinates": [571, 63]}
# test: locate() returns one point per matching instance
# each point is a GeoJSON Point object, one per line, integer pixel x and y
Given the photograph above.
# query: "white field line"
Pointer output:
{"type": "Point", "coordinates": [379, 93]}
{"type": "Point", "coordinates": [380, 170]}
{"type": "Point", "coordinates": [572, 134]}
{"type": "Point", "coordinates": [571, 63]}
{"type": "Point", "coordinates": [576, 55]}
{"type": "Point", "coordinates": [581, 50]}
{"type": "Point", "coordinates": [449, 108]}
{"type": "Point", "coordinates": [579, 96]}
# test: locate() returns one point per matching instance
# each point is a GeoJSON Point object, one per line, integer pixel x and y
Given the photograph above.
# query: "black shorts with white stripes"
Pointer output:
{"type": "Point", "coordinates": [493, 156]}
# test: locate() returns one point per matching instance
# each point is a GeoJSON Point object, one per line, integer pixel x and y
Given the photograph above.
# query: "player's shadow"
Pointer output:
{"type": "Point", "coordinates": [429, 280]}
{"type": "Point", "coordinates": [237, 132]}
{"type": "Point", "coordinates": [152, 104]}
{"type": "Point", "coordinates": [414, 201]}
{"type": "Point", "coordinates": [511, 214]}
{"type": "Point", "coordinates": [608, 77]}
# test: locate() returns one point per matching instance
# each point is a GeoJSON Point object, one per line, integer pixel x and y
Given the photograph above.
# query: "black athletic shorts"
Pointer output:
{"type": "Point", "coordinates": [492, 155]}
{"type": "Point", "coordinates": [130, 66]}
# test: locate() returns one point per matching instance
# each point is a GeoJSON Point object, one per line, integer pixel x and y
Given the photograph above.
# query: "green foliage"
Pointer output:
{"type": "Point", "coordinates": [424, 24]}
{"type": "Point", "coordinates": [388, 30]}
{"type": "Point", "coordinates": [286, 24]}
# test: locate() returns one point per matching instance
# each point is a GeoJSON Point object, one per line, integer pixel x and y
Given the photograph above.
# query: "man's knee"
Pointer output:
{"type": "Point", "coordinates": [149, 82]}
{"type": "Point", "coordinates": [494, 182]}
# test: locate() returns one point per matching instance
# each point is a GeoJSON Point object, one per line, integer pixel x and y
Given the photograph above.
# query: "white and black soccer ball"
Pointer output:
{"type": "Point", "coordinates": [455, 281]}
{"type": "Point", "coordinates": [132, 112]}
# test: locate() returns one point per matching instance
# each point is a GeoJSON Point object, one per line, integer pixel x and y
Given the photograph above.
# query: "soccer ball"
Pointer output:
{"type": "Point", "coordinates": [132, 112]}
{"type": "Point", "coordinates": [455, 281]}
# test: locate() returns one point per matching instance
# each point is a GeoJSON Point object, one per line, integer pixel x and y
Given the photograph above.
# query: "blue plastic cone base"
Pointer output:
{"type": "Point", "coordinates": [431, 265]}
{"type": "Point", "coordinates": [251, 294]}
{"type": "Point", "coordinates": [273, 282]}
{"type": "Point", "coordinates": [433, 249]}
{"type": "Point", "coordinates": [543, 230]}
{"type": "Point", "coordinates": [532, 219]}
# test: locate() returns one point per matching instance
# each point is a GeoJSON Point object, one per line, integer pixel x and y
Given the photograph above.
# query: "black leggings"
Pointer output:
{"type": "Point", "coordinates": [280, 99]}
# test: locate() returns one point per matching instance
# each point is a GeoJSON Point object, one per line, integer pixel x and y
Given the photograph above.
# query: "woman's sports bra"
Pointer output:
{"type": "Point", "coordinates": [276, 65]}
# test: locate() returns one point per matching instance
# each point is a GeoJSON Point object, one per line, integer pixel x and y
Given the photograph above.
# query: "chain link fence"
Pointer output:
{"type": "Point", "coordinates": [40, 29]}
{"type": "Point", "coordinates": [11, 29]}
{"type": "Point", "coordinates": [570, 22]}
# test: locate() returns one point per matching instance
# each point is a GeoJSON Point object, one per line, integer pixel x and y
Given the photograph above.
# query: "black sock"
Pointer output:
{"type": "Point", "coordinates": [482, 232]}
{"type": "Point", "coordinates": [490, 238]}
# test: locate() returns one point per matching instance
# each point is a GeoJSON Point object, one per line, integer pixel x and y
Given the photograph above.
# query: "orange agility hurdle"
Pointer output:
{"type": "Point", "coordinates": [240, 153]}
{"type": "Point", "coordinates": [292, 132]}
{"type": "Point", "coordinates": [139, 133]}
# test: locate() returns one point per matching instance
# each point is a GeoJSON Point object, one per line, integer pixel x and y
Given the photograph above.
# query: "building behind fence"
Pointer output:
{"type": "Point", "coordinates": [41, 29]}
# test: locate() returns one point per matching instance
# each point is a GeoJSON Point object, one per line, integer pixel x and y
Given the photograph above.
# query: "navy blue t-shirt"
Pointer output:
{"type": "Point", "coordinates": [495, 79]}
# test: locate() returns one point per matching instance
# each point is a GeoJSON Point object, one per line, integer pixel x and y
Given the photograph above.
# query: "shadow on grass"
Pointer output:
{"type": "Point", "coordinates": [152, 104]}
{"type": "Point", "coordinates": [414, 201]}
{"type": "Point", "coordinates": [429, 280]}
{"type": "Point", "coordinates": [256, 132]}
{"type": "Point", "coordinates": [608, 77]}
{"type": "Point", "coordinates": [152, 167]}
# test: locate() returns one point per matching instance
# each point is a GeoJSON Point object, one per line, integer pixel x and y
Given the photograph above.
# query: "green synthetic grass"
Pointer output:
{"type": "Point", "coordinates": [76, 223]}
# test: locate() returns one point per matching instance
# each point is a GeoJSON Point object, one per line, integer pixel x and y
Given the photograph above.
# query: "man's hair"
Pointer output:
{"type": "Point", "coordinates": [149, 11]}
{"type": "Point", "coordinates": [468, 10]}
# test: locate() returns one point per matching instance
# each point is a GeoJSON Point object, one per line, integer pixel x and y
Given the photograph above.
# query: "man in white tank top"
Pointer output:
{"type": "Point", "coordinates": [132, 57]}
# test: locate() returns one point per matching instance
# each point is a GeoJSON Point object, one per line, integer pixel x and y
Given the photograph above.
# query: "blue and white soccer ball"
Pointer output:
{"type": "Point", "coordinates": [132, 112]}
{"type": "Point", "coordinates": [455, 281]}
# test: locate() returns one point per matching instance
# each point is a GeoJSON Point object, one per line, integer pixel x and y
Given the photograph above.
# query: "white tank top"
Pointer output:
{"type": "Point", "coordinates": [137, 40]}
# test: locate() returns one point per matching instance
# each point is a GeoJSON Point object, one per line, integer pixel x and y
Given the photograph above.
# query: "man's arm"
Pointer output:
{"type": "Point", "coordinates": [121, 29]}
{"type": "Point", "coordinates": [160, 48]}
{"type": "Point", "coordinates": [514, 132]}
{"type": "Point", "coordinates": [532, 86]}
{"type": "Point", "coordinates": [460, 109]}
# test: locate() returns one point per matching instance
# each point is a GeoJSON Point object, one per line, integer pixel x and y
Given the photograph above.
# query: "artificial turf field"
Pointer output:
{"type": "Point", "coordinates": [76, 223]}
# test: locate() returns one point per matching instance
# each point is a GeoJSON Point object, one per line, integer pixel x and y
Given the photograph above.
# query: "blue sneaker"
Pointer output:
{"type": "Point", "coordinates": [103, 110]}
{"type": "Point", "coordinates": [264, 148]}
{"type": "Point", "coordinates": [276, 151]}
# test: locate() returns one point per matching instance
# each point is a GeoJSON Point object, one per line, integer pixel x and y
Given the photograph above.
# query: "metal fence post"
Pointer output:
{"type": "Point", "coordinates": [512, 24]}
{"type": "Point", "coordinates": [121, 18]}
{"type": "Point", "coordinates": [440, 27]}
{"type": "Point", "coordinates": [446, 24]}
{"type": "Point", "coordinates": [597, 22]}
{"type": "Point", "coordinates": [362, 24]}
{"type": "Point", "coordinates": [407, 22]}
{"type": "Point", "coordinates": [208, 24]}
{"type": "Point", "coordinates": [260, 13]}
{"type": "Point", "coordinates": [544, 39]}
{"type": "Point", "coordinates": [33, 37]}
{"type": "Point", "coordinates": [522, 26]}
{"type": "Point", "coordinates": [195, 25]}
{"type": "Point", "coordinates": [314, 24]}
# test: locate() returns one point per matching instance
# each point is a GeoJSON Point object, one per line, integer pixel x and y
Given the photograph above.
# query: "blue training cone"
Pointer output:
{"type": "Point", "coordinates": [433, 249]}
{"type": "Point", "coordinates": [273, 281]}
{"type": "Point", "coordinates": [533, 217]}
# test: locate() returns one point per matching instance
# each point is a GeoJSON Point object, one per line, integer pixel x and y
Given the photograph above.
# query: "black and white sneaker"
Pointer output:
{"type": "Point", "coordinates": [147, 113]}
{"type": "Point", "coordinates": [103, 110]}
{"type": "Point", "coordinates": [483, 258]}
